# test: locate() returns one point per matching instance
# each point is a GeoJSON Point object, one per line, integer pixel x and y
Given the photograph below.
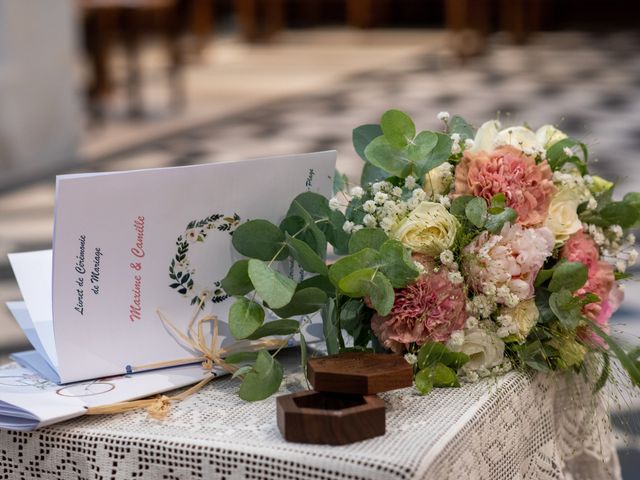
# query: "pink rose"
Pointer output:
{"type": "Point", "coordinates": [511, 259]}
{"type": "Point", "coordinates": [528, 186]}
{"type": "Point", "coordinates": [601, 281]}
{"type": "Point", "coordinates": [428, 310]}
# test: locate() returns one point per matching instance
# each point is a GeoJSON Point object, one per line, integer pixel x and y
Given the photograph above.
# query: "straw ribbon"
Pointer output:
{"type": "Point", "coordinates": [208, 352]}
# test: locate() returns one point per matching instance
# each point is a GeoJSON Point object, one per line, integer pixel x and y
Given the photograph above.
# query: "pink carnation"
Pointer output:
{"type": "Point", "coordinates": [510, 259]}
{"type": "Point", "coordinates": [427, 310]}
{"type": "Point", "coordinates": [601, 281]}
{"type": "Point", "coordinates": [528, 186]}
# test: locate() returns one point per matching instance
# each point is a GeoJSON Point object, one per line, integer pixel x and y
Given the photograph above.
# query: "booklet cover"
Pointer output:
{"type": "Point", "coordinates": [128, 245]}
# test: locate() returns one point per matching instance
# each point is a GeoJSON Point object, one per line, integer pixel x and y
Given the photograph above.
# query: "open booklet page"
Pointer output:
{"type": "Point", "coordinates": [29, 401]}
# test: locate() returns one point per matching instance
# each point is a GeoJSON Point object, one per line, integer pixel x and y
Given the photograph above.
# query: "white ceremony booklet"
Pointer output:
{"type": "Point", "coordinates": [129, 244]}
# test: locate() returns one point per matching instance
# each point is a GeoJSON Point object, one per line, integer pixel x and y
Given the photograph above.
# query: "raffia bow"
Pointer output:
{"type": "Point", "coordinates": [209, 352]}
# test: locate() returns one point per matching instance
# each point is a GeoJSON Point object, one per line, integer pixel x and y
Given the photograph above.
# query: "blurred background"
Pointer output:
{"type": "Point", "coordinates": [101, 85]}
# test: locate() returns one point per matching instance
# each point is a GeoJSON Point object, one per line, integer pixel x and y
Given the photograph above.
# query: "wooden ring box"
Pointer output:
{"type": "Point", "coordinates": [343, 407]}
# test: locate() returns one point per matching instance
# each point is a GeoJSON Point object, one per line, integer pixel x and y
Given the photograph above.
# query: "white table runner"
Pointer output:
{"type": "Point", "coordinates": [516, 427]}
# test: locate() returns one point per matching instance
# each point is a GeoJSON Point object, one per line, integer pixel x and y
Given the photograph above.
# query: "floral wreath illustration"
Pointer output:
{"type": "Point", "coordinates": [180, 271]}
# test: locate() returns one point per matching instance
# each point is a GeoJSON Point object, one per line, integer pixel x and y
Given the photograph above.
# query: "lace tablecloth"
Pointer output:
{"type": "Point", "coordinates": [516, 427]}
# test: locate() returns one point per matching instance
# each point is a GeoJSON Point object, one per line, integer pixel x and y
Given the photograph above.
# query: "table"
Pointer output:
{"type": "Point", "coordinates": [521, 426]}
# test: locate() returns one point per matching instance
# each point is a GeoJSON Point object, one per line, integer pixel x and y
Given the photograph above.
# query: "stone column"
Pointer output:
{"type": "Point", "coordinates": [40, 114]}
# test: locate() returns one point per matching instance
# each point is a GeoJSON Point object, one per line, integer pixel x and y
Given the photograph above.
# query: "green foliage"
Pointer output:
{"type": "Point", "coordinates": [305, 256]}
{"type": "Point", "coordinates": [330, 326]}
{"type": "Point", "coordinates": [283, 326]}
{"type": "Point", "coordinates": [627, 362]}
{"type": "Point", "coordinates": [625, 213]}
{"type": "Point", "coordinates": [355, 319]}
{"type": "Point", "coordinates": [370, 283]}
{"type": "Point", "coordinates": [495, 222]}
{"type": "Point", "coordinates": [568, 275]}
{"type": "Point", "coordinates": [340, 182]}
{"type": "Point", "coordinates": [273, 287]}
{"type": "Point", "coordinates": [567, 308]}
{"type": "Point", "coordinates": [398, 128]}
{"type": "Point", "coordinates": [306, 231]}
{"type": "Point", "coordinates": [367, 238]}
{"type": "Point", "coordinates": [432, 353]}
{"type": "Point", "coordinates": [393, 260]}
{"type": "Point", "coordinates": [557, 157]}
{"type": "Point", "coordinates": [476, 211]}
{"type": "Point", "coordinates": [438, 375]}
{"type": "Point", "coordinates": [460, 126]}
{"type": "Point", "coordinates": [241, 357]}
{"type": "Point", "coordinates": [260, 239]}
{"type": "Point", "coordinates": [371, 174]}
{"type": "Point", "coordinates": [245, 317]}
{"type": "Point", "coordinates": [362, 136]}
{"type": "Point", "coordinates": [263, 380]}
{"type": "Point", "coordinates": [400, 152]}
{"type": "Point", "coordinates": [318, 281]}
{"type": "Point", "coordinates": [303, 302]}
{"type": "Point", "coordinates": [459, 206]}
{"type": "Point", "coordinates": [237, 281]}
{"type": "Point", "coordinates": [319, 218]}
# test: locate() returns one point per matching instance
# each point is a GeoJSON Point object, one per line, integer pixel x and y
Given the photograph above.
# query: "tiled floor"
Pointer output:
{"type": "Point", "coordinates": [309, 91]}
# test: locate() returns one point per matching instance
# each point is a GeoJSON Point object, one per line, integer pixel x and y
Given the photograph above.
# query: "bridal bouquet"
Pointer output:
{"type": "Point", "coordinates": [469, 252]}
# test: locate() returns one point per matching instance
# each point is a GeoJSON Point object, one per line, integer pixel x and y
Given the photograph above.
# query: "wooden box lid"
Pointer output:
{"type": "Point", "coordinates": [359, 373]}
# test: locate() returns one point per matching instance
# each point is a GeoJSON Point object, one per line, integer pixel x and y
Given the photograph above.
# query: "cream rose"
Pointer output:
{"type": "Point", "coordinates": [547, 135]}
{"type": "Point", "coordinates": [525, 315]}
{"type": "Point", "coordinates": [485, 136]}
{"type": "Point", "coordinates": [438, 180]}
{"type": "Point", "coordinates": [484, 348]}
{"type": "Point", "coordinates": [428, 229]}
{"type": "Point", "coordinates": [563, 218]}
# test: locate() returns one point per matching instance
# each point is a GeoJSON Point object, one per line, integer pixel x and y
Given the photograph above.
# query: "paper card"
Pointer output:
{"type": "Point", "coordinates": [130, 244]}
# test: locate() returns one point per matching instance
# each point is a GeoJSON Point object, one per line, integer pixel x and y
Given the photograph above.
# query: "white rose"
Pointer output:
{"type": "Point", "coordinates": [484, 348]}
{"type": "Point", "coordinates": [525, 315]}
{"type": "Point", "coordinates": [519, 137]}
{"type": "Point", "coordinates": [485, 136]}
{"type": "Point", "coordinates": [437, 181]}
{"type": "Point", "coordinates": [547, 135]}
{"type": "Point", "coordinates": [428, 229]}
{"type": "Point", "coordinates": [563, 218]}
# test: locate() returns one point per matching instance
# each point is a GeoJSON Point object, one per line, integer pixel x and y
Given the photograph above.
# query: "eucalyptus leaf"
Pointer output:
{"type": "Point", "coordinates": [318, 281]}
{"type": "Point", "coordinates": [362, 136]}
{"type": "Point", "coordinates": [367, 238]}
{"type": "Point", "coordinates": [437, 156]}
{"type": "Point", "coordinates": [273, 287]}
{"type": "Point", "coordinates": [283, 326]}
{"type": "Point", "coordinates": [566, 308]}
{"type": "Point", "coordinates": [387, 157]}
{"type": "Point", "coordinates": [569, 275]}
{"type": "Point", "coordinates": [237, 281]}
{"type": "Point", "coordinates": [397, 127]}
{"type": "Point", "coordinates": [424, 381]}
{"type": "Point", "coordinates": [476, 211]}
{"type": "Point", "coordinates": [372, 174]}
{"type": "Point", "coordinates": [459, 125]}
{"type": "Point", "coordinates": [444, 376]}
{"type": "Point", "coordinates": [373, 284]}
{"type": "Point", "coordinates": [242, 371]}
{"type": "Point", "coordinates": [495, 222]}
{"type": "Point", "coordinates": [241, 357]}
{"type": "Point", "coordinates": [260, 239]}
{"type": "Point", "coordinates": [263, 380]}
{"type": "Point", "coordinates": [245, 317]}
{"type": "Point", "coordinates": [330, 327]}
{"type": "Point", "coordinates": [303, 302]}
{"type": "Point", "coordinates": [339, 182]}
{"type": "Point", "coordinates": [305, 256]}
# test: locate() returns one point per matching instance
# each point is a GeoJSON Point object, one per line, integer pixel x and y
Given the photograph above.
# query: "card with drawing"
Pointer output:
{"type": "Point", "coordinates": [136, 253]}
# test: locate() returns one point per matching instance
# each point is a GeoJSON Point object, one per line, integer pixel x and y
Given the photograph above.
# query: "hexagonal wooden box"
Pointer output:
{"type": "Point", "coordinates": [330, 418]}
{"type": "Point", "coordinates": [359, 373]}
